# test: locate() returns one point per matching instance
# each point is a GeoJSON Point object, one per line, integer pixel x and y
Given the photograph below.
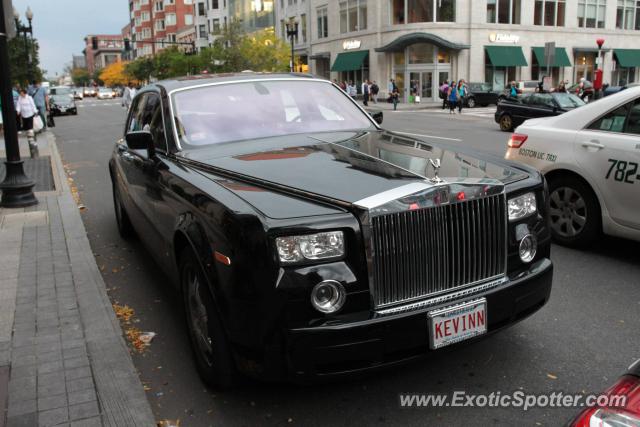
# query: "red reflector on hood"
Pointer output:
{"type": "Point", "coordinates": [516, 140]}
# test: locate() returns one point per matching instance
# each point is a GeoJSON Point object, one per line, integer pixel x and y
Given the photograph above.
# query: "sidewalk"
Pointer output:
{"type": "Point", "coordinates": [63, 361]}
{"type": "Point", "coordinates": [383, 105]}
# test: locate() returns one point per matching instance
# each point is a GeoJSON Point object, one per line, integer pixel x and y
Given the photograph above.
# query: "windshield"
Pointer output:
{"type": "Point", "coordinates": [61, 91]}
{"type": "Point", "coordinates": [259, 109]}
{"type": "Point", "coordinates": [105, 90]}
{"type": "Point", "coordinates": [61, 99]}
{"type": "Point", "coordinates": [568, 100]}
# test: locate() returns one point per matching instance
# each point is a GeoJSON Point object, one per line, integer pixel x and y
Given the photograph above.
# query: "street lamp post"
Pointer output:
{"type": "Point", "coordinates": [599, 71]}
{"type": "Point", "coordinates": [25, 30]}
{"type": "Point", "coordinates": [292, 33]}
{"type": "Point", "coordinates": [17, 189]}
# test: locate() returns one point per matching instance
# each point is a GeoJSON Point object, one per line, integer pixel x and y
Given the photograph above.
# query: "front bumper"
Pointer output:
{"type": "Point", "coordinates": [333, 350]}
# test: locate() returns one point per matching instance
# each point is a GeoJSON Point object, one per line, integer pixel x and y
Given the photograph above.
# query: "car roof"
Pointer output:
{"type": "Point", "coordinates": [203, 79]}
{"type": "Point", "coordinates": [580, 117]}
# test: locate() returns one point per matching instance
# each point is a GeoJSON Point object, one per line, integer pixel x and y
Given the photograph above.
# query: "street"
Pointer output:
{"type": "Point", "coordinates": [578, 343]}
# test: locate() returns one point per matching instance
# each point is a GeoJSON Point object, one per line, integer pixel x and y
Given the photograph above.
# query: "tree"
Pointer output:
{"type": "Point", "coordinates": [18, 60]}
{"type": "Point", "coordinates": [96, 77]}
{"type": "Point", "coordinates": [80, 77]}
{"type": "Point", "coordinates": [140, 69]}
{"type": "Point", "coordinates": [115, 74]}
{"type": "Point", "coordinates": [266, 52]}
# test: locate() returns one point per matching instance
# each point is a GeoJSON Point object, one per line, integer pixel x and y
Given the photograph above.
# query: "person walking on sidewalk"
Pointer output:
{"type": "Point", "coordinates": [26, 109]}
{"type": "Point", "coordinates": [374, 92]}
{"type": "Point", "coordinates": [443, 93]}
{"type": "Point", "coordinates": [41, 99]}
{"type": "Point", "coordinates": [452, 97]}
{"type": "Point", "coordinates": [365, 93]}
{"type": "Point", "coordinates": [462, 93]}
{"type": "Point", "coordinates": [395, 96]}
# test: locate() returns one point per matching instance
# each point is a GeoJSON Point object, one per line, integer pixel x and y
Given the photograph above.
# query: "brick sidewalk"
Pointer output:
{"type": "Point", "coordinates": [60, 342]}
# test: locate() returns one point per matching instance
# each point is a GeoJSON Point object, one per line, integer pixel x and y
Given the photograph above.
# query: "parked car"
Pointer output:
{"type": "Point", "coordinates": [105, 93]}
{"type": "Point", "coordinates": [512, 112]}
{"type": "Point", "coordinates": [618, 406]}
{"type": "Point", "coordinates": [62, 104]}
{"type": "Point", "coordinates": [591, 159]}
{"type": "Point", "coordinates": [480, 94]}
{"type": "Point", "coordinates": [78, 93]}
{"type": "Point", "coordinates": [286, 272]}
{"type": "Point", "coordinates": [89, 91]}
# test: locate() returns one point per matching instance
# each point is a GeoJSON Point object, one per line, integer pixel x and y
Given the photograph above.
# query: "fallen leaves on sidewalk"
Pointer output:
{"type": "Point", "coordinates": [169, 423]}
{"type": "Point", "coordinates": [74, 190]}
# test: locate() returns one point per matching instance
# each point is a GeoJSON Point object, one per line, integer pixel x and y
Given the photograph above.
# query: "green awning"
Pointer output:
{"type": "Point", "coordinates": [562, 59]}
{"type": "Point", "coordinates": [506, 56]}
{"type": "Point", "coordinates": [349, 61]}
{"type": "Point", "coordinates": [628, 57]}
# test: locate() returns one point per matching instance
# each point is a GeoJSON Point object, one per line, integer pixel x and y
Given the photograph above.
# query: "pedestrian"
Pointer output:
{"type": "Point", "coordinates": [395, 96]}
{"type": "Point", "coordinates": [129, 93]}
{"type": "Point", "coordinates": [343, 85]}
{"type": "Point", "coordinates": [562, 88]}
{"type": "Point", "coordinates": [442, 92]}
{"type": "Point", "coordinates": [462, 93]}
{"type": "Point", "coordinates": [374, 92]}
{"type": "Point", "coordinates": [390, 89]}
{"type": "Point", "coordinates": [513, 90]}
{"type": "Point", "coordinates": [27, 110]}
{"type": "Point", "coordinates": [41, 99]}
{"type": "Point", "coordinates": [452, 97]}
{"type": "Point", "coordinates": [365, 93]}
{"type": "Point", "coordinates": [351, 89]}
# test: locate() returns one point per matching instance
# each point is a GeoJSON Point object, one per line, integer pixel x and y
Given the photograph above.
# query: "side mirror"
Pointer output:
{"type": "Point", "coordinates": [377, 117]}
{"type": "Point", "coordinates": [140, 140]}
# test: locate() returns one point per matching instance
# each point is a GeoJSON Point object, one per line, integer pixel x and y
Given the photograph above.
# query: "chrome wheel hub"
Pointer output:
{"type": "Point", "coordinates": [568, 212]}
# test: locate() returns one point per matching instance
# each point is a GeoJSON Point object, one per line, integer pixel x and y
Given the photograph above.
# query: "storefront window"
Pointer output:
{"type": "Point", "coordinates": [412, 11]}
{"type": "Point", "coordinates": [444, 56]}
{"type": "Point", "coordinates": [628, 15]}
{"type": "Point", "coordinates": [584, 62]}
{"type": "Point", "coordinates": [549, 13]}
{"type": "Point", "coordinates": [591, 13]}
{"type": "Point", "coordinates": [421, 53]}
{"type": "Point", "coordinates": [503, 11]}
{"type": "Point", "coordinates": [398, 58]}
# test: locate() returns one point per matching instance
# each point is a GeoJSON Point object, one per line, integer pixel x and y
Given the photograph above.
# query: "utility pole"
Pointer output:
{"type": "Point", "coordinates": [292, 33]}
{"type": "Point", "coordinates": [17, 189]}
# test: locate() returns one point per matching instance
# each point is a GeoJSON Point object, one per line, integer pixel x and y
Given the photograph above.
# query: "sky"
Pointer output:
{"type": "Point", "coordinates": [61, 26]}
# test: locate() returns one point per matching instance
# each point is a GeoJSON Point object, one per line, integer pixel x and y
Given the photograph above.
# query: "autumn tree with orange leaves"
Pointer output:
{"type": "Point", "coordinates": [116, 75]}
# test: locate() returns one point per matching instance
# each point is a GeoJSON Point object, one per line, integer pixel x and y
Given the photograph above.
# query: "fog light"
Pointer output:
{"type": "Point", "coordinates": [328, 296]}
{"type": "Point", "coordinates": [528, 247]}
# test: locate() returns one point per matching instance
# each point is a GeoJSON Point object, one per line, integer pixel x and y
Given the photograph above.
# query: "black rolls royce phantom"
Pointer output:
{"type": "Point", "coordinates": [308, 242]}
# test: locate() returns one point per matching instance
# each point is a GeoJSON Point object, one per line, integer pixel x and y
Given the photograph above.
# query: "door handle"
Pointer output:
{"type": "Point", "coordinates": [592, 144]}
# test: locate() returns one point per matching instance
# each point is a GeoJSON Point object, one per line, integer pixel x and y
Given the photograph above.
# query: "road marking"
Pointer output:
{"type": "Point", "coordinates": [428, 136]}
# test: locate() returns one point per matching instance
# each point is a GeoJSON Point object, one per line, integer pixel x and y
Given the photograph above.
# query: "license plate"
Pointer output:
{"type": "Point", "coordinates": [457, 323]}
{"type": "Point", "coordinates": [62, 109]}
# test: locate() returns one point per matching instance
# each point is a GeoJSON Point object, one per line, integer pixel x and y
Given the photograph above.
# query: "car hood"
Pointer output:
{"type": "Point", "coordinates": [349, 166]}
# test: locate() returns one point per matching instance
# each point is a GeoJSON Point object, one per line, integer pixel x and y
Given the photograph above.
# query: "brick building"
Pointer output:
{"type": "Point", "coordinates": [109, 50]}
{"type": "Point", "coordinates": [158, 21]}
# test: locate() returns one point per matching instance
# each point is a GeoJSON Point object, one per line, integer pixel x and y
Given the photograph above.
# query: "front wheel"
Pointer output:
{"type": "Point", "coordinates": [471, 102]}
{"type": "Point", "coordinates": [573, 211]}
{"type": "Point", "coordinates": [506, 123]}
{"type": "Point", "coordinates": [208, 340]}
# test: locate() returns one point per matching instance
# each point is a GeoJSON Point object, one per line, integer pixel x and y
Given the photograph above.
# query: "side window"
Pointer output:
{"type": "Point", "coordinates": [547, 100]}
{"type": "Point", "coordinates": [153, 121]}
{"type": "Point", "coordinates": [633, 121]}
{"type": "Point", "coordinates": [612, 121]}
{"type": "Point", "coordinates": [137, 111]}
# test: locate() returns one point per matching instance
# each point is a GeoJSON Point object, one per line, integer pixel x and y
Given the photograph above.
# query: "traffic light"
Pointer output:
{"type": "Point", "coordinates": [94, 43]}
{"type": "Point", "coordinates": [127, 45]}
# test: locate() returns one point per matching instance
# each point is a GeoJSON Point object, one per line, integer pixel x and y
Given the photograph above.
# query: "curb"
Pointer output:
{"type": "Point", "coordinates": [119, 389]}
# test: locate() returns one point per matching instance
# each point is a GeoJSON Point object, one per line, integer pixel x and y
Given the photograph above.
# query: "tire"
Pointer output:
{"type": "Point", "coordinates": [209, 343]}
{"type": "Point", "coordinates": [471, 102]}
{"type": "Point", "coordinates": [506, 123]}
{"type": "Point", "coordinates": [574, 212]}
{"type": "Point", "coordinates": [125, 228]}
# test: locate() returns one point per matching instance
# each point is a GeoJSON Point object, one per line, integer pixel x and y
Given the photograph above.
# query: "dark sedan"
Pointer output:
{"type": "Point", "coordinates": [62, 104]}
{"type": "Point", "coordinates": [308, 242]}
{"type": "Point", "coordinates": [480, 94]}
{"type": "Point", "coordinates": [512, 112]}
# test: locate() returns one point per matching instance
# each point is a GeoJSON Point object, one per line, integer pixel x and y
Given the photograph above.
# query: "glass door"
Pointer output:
{"type": "Point", "coordinates": [414, 85]}
{"type": "Point", "coordinates": [426, 85]}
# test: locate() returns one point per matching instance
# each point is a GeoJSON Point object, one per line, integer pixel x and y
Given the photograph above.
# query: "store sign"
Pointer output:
{"type": "Point", "coordinates": [351, 44]}
{"type": "Point", "coordinates": [504, 38]}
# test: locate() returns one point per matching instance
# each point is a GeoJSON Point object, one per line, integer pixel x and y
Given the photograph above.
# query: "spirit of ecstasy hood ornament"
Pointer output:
{"type": "Point", "coordinates": [435, 163]}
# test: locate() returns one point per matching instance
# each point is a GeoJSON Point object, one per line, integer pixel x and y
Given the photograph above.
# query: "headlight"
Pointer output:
{"type": "Point", "coordinates": [328, 296]}
{"type": "Point", "coordinates": [528, 247]}
{"type": "Point", "coordinates": [319, 246]}
{"type": "Point", "coordinates": [522, 206]}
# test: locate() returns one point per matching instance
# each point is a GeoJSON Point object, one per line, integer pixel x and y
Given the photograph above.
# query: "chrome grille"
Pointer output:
{"type": "Point", "coordinates": [421, 253]}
